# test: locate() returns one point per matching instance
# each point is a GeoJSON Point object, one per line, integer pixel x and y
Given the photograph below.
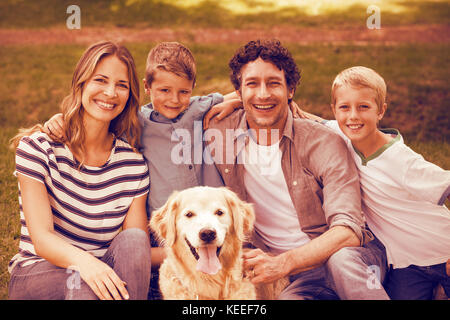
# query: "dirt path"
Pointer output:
{"type": "Point", "coordinates": [363, 36]}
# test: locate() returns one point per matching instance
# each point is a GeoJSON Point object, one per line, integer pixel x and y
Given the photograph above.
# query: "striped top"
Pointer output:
{"type": "Point", "coordinates": [88, 205]}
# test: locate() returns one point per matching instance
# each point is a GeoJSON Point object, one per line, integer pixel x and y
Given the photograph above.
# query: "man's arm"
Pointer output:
{"type": "Point", "coordinates": [268, 268]}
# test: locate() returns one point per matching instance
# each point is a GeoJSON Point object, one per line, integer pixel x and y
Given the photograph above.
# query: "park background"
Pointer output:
{"type": "Point", "coordinates": [38, 54]}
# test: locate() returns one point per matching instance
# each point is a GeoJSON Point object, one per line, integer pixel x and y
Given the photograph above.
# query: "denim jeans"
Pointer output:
{"type": "Point", "coordinates": [358, 273]}
{"type": "Point", "coordinates": [128, 255]}
{"type": "Point", "coordinates": [417, 283]}
{"type": "Point", "coordinates": [312, 284]}
{"type": "Point", "coordinates": [355, 273]}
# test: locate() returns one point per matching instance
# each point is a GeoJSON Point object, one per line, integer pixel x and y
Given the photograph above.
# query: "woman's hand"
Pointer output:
{"type": "Point", "coordinates": [102, 279]}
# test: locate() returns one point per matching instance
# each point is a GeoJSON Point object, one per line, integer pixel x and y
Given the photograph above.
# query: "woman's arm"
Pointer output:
{"type": "Point", "coordinates": [137, 216]}
{"type": "Point", "coordinates": [38, 215]}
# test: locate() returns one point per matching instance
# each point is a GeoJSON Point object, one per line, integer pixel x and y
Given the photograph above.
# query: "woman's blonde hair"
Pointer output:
{"type": "Point", "coordinates": [126, 124]}
{"type": "Point", "coordinates": [361, 77]}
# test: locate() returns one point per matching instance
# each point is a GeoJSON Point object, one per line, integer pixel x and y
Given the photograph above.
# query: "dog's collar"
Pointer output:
{"type": "Point", "coordinates": [194, 251]}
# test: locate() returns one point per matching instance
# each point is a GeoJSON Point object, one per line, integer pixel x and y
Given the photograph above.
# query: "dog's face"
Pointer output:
{"type": "Point", "coordinates": [205, 222]}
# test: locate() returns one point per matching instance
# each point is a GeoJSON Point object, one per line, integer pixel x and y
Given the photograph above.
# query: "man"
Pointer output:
{"type": "Point", "coordinates": [301, 179]}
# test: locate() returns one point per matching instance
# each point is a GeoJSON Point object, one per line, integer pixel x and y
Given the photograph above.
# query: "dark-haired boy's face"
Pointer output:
{"type": "Point", "coordinates": [170, 93]}
{"type": "Point", "coordinates": [264, 93]}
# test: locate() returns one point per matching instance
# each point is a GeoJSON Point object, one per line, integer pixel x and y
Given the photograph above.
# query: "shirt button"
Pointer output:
{"type": "Point", "coordinates": [190, 167]}
{"type": "Point", "coordinates": [227, 170]}
{"type": "Point", "coordinates": [294, 183]}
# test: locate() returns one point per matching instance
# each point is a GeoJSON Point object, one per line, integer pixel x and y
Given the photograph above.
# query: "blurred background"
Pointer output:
{"type": "Point", "coordinates": [38, 53]}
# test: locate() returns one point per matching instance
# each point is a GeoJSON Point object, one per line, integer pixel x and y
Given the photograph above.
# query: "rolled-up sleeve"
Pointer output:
{"type": "Point", "coordinates": [333, 163]}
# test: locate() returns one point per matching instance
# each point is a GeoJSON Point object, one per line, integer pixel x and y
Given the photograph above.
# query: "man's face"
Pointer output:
{"type": "Point", "coordinates": [264, 93]}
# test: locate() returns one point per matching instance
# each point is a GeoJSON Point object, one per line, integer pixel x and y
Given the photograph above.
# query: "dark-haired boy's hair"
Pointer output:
{"type": "Point", "coordinates": [172, 57]}
{"type": "Point", "coordinates": [270, 51]}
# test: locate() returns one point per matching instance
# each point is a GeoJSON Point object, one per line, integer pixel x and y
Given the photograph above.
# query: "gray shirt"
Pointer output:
{"type": "Point", "coordinates": [173, 150]}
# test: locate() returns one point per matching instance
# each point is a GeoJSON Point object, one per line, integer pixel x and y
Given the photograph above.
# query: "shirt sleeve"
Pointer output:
{"type": "Point", "coordinates": [426, 181]}
{"type": "Point", "coordinates": [32, 159]}
{"type": "Point", "coordinates": [202, 104]}
{"type": "Point", "coordinates": [144, 184]}
{"type": "Point", "coordinates": [337, 172]}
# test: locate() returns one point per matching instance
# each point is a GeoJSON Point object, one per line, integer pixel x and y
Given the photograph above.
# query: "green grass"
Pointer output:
{"type": "Point", "coordinates": [222, 14]}
{"type": "Point", "coordinates": [36, 78]}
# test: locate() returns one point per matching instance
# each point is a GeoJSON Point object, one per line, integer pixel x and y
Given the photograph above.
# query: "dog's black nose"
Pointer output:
{"type": "Point", "coordinates": [207, 235]}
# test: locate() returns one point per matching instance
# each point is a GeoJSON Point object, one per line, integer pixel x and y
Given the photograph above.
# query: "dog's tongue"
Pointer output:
{"type": "Point", "coordinates": [208, 261]}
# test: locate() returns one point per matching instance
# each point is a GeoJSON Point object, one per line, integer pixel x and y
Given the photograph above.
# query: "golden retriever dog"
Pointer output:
{"type": "Point", "coordinates": [203, 230]}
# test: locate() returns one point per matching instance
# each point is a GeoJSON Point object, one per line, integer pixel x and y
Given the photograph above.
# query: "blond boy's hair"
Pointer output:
{"type": "Point", "coordinates": [171, 57]}
{"type": "Point", "coordinates": [361, 77]}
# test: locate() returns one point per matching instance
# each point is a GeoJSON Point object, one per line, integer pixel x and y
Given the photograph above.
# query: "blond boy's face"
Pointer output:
{"type": "Point", "coordinates": [170, 94]}
{"type": "Point", "coordinates": [357, 113]}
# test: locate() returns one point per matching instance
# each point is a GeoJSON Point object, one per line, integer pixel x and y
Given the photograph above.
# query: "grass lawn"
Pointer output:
{"type": "Point", "coordinates": [225, 13]}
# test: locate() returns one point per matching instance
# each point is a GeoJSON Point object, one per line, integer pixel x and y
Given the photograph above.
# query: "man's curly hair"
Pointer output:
{"type": "Point", "coordinates": [270, 51]}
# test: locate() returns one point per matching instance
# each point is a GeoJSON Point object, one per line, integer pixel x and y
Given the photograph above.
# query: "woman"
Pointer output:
{"type": "Point", "coordinates": [84, 225]}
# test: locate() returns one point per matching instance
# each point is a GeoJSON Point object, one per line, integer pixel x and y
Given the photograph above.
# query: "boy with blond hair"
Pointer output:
{"type": "Point", "coordinates": [402, 194]}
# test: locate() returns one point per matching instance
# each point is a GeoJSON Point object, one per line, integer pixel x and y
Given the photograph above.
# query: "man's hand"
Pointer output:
{"type": "Point", "coordinates": [54, 127]}
{"type": "Point", "coordinates": [262, 267]}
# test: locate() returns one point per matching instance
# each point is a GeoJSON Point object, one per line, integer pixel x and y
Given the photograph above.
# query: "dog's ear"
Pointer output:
{"type": "Point", "coordinates": [163, 220]}
{"type": "Point", "coordinates": [242, 213]}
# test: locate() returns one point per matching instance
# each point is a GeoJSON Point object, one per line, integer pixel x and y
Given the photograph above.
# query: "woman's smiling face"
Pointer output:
{"type": "Point", "coordinates": [106, 92]}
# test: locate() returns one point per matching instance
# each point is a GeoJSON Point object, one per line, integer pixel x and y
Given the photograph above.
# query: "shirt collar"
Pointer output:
{"type": "Point", "coordinates": [155, 116]}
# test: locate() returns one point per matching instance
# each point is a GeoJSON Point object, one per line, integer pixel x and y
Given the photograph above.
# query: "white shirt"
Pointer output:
{"type": "Point", "coordinates": [276, 219]}
{"type": "Point", "coordinates": [402, 199]}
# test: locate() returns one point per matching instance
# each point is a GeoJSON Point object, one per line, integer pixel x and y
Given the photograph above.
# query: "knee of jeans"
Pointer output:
{"type": "Point", "coordinates": [134, 239]}
{"type": "Point", "coordinates": [344, 256]}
